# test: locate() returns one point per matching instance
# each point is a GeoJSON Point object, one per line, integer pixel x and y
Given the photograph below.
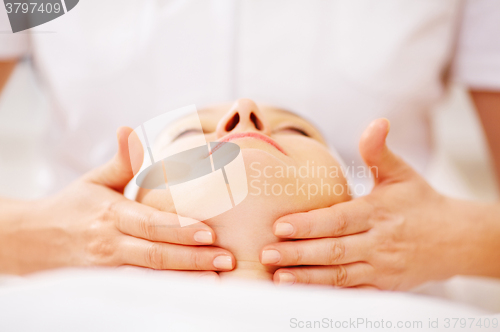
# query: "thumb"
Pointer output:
{"type": "Point", "coordinates": [117, 172]}
{"type": "Point", "coordinates": [384, 164]}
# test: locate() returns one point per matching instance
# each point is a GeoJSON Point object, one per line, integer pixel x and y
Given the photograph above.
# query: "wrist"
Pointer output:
{"type": "Point", "coordinates": [16, 214]}
{"type": "Point", "coordinates": [477, 240]}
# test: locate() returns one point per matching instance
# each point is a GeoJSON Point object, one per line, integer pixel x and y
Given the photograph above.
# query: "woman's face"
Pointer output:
{"type": "Point", "coordinates": [288, 165]}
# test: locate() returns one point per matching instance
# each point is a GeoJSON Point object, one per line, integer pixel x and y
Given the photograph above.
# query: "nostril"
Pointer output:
{"type": "Point", "coordinates": [233, 122]}
{"type": "Point", "coordinates": [256, 121]}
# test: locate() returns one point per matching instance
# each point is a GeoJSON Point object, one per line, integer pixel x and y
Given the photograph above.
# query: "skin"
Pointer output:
{"type": "Point", "coordinates": [401, 205]}
{"type": "Point", "coordinates": [246, 228]}
{"type": "Point", "coordinates": [91, 223]}
{"type": "Point", "coordinates": [402, 234]}
{"type": "Point", "coordinates": [6, 68]}
{"type": "Point", "coordinates": [488, 108]}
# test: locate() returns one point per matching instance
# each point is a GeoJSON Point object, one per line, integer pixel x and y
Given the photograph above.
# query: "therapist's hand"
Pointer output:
{"type": "Point", "coordinates": [402, 234]}
{"type": "Point", "coordinates": [91, 223]}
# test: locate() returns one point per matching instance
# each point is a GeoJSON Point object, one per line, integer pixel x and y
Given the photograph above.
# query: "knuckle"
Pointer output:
{"type": "Point", "coordinates": [298, 257]}
{"type": "Point", "coordinates": [306, 277]}
{"type": "Point", "coordinates": [148, 227]}
{"type": "Point", "coordinates": [307, 228]}
{"type": "Point", "coordinates": [108, 210]}
{"type": "Point", "coordinates": [155, 257]}
{"type": "Point", "coordinates": [176, 236]}
{"type": "Point", "coordinates": [101, 252]}
{"type": "Point", "coordinates": [340, 224]}
{"type": "Point", "coordinates": [196, 260]}
{"type": "Point", "coordinates": [340, 276]}
{"type": "Point", "coordinates": [336, 252]}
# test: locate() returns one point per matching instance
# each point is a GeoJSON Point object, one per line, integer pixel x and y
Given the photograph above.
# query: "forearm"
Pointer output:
{"type": "Point", "coordinates": [6, 68]}
{"type": "Point", "coordinates": [13, 216]}
{"type": "Point", "coordinates": [487, 104]}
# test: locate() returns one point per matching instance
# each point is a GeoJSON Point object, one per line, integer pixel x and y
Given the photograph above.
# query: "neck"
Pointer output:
{"type": "Point", "coordinates": [249, 270]}
{"type": "Point", "coordinates": [244, 231]}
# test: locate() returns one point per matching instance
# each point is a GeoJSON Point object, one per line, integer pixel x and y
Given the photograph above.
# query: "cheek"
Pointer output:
{"type": "Point", "coordinates": [161, 151]}
{"type": "Point", "coordinates": [319, 171]}
{"type": "Point", "coordinates": [157, 198]}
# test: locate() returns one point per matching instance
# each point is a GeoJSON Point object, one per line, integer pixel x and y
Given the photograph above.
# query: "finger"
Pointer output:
{"type": "Point", "coordinates": [145, 222]}
{"type": "Point", "coordinates": [117, 172]}
{"type": "Point", "coordinates": [347, 275]}
{"type": "Point", "coordinates": [208, 276]}
{"type": "Point", "coordinates": [165, 256]}
{"type": "Point", "coordinates": [341, 219]}
{"type": "Point", "coordinates": [330, 251]}
{"type": "Point", "coordinates": [384, 164]}
{"type": "Point", "coordinates": [366, 287]}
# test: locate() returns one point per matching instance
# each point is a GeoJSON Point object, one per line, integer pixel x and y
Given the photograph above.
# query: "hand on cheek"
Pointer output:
{"type": "Point", "coordinates": [91, 223]}
{"type": "Point", "coordinates": [396, 237]}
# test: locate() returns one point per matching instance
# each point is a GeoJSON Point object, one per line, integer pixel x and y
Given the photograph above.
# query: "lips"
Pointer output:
{"type": "Point", "coordinates": [261, 137]}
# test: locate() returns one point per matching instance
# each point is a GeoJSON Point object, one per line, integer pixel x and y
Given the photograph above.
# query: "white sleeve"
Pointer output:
{"type": "Point", "coordinates": [477, 59]}
{"type": "Point", "coordinates": [12, 45]}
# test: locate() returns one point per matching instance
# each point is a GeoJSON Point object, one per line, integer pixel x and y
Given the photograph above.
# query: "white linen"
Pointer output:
{"type": "Point", "coordinates": [112, 300]}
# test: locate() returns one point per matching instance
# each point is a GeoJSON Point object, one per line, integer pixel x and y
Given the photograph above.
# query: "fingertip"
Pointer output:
{"type": "Point", "coordinates": [283, 229]}
{"type": "Point", "coordinates": [269, 256]}
{"type": "Point", "coordinates": [284, 278]}
{"type": "Point", "coordinates": [224, 261]}
{"type": "Point", "coordinates": [372, 140]}
{"type": "Point", "coordinates": [209, 276]}
{"type": "Point", "coordinates": [203, 230]}
{"type": "Point", "coordinates": [261, 254]}
{"type": "Point", "coordinates": [203, 237]}
{"type": "Point", "coordinates": [134, 146]}
{"type": "Point", "coordinates": [388, 124]}
{"type": "Point", "coordinates": [276, 277]}
{"type": "Point", "coordinates": [122, 134]}
{"type": "Point", "coordinates": [382, 124]}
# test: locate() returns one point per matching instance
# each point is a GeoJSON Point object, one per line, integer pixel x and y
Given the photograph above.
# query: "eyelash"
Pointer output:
{"type": "Point", "coordinates": [187, 131]}
{"type": "Point", "coordinates": [297, 130]}
{"type": "Point", "coordinates": [191, 130]}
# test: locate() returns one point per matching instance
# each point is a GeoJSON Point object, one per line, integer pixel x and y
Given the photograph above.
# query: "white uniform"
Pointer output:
{"type": "Point", "coordinates": [339, 63]}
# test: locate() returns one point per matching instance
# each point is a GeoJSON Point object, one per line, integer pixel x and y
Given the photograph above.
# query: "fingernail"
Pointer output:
{"type": "Point", "coordinates": [209, 277]}
{"type": "Point", "coordinates": [388, 125]}
{"type": "Point", "coordinates": [270, 256]}
{"type": "Point", "coordinates": [283, 229]}
{"type": "Point", "coordinates": [223, 262]}
{"type": "Point", "coordinates": [285, 279]}
{"type": "Point", "coordinates": [203, 237]}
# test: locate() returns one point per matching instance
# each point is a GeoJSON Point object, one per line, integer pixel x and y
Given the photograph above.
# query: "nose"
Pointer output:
{"type": "Point", "coordinates": [243, 116]}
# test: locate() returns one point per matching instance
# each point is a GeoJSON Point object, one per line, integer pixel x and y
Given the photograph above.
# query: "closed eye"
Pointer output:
{"type": "Point", "coordinates": [294, 130]}
{"type": "Point", "coordinates": [188, 132]}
